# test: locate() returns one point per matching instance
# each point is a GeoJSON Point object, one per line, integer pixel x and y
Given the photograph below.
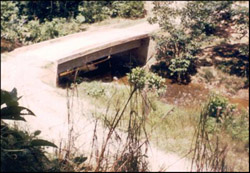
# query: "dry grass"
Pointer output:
{"type": "Point", "coordinates": [118, 151]}
{"type": "Point", "coordinates": [172, 128]}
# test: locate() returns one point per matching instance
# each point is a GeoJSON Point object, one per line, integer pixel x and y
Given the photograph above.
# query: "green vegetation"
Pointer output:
{"type": "Point", "coordinates": [139, 78]}
{"type": "Point", "coordinates": [213, 133]}
{"type": "Point", "coordinates": [30, 22]}
{"type": "Point", "coordinates": [218, 106]}
{"type": "Point", "coordinates": [200, 22]}
{"type": "Point", "coordinates": [18, 147]}
{"type": "Point", "coordinates": [219, 143]}
{"type": "Point", "coordinates": [124, 108]}
{"type": "Point", "coordinates": [22, 151]}
{"type": "Point", "coordinates": [174, 128]}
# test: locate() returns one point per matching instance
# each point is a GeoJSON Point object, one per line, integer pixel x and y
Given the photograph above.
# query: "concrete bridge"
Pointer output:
{"type": "Point", "coordinates": [33, 69]}
{"type": "Point", "coordinates": [78, 51]}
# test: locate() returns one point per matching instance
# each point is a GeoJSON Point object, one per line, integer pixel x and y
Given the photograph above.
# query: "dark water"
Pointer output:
{"type": "Point", "coordinates": [184, 95]}
{"type": "Point", "coordinates": [193, 95]}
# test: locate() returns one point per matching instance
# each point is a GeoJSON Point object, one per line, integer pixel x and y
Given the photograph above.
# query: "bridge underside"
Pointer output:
{"type": "Point", "coordinates": [138, 46]}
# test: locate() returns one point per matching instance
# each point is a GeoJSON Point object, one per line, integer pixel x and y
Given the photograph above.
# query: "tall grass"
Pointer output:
{"type": "Point", "coordinates": [216, 139]}
{"type": "Point", "coordinates": [118, 151]}
{"type": "Point", "coordinates": [132, 118]}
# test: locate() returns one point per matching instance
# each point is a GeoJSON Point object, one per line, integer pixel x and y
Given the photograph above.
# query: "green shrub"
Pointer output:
{"type": "Point", "coordinates": [155, 81]}
{"type": "Point", "coordinates": [20, 151]}
{"type": "Point", "coordinates": [95, 90]}
{"type": "Point", "coordinates": [179, 68]}
{"type": "Point", "coordinates": [93, 11]}
{"type": "Point", "coordinates": [32, 22]}
{"type": "Point", "coordinates": [128, 9]}
{"type": "Point", "coordinates": [141, 79]}
{"type": "Point", "coordinates": [229, 120]}
{"type": "Point", "coordinates": [10, 22]}
{"type": "Point", "coordinates": [238, 127]}
{"type": "Point", "coordinates": [137, 77]}
{"type": "Point", "coordinates": [218, 106]}
{"type": "Point", "coordinates": [31, 32]}
{"type": "Point", "coordinates": [182, 68]}
{"type": "Point", "coordinates": [178, 51]}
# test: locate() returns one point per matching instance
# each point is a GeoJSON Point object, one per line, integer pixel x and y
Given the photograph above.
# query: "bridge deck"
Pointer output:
{"type": "Point", "coordinates": [75, 50]}
{"type": "Point", "coordinates": [59, 48]}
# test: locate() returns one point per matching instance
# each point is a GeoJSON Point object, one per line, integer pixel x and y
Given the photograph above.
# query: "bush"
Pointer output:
{"type": "Point", "coordinates": [20, 151]}
{"type": "Point", "coordinates": [228, 119]}
{"type": "Point", "coordinates": [10, 22]}
{"type": "Point", "coordinates": [137, 78]}
{"type": "Point", "coordinates": [34, 31]}
{"type": "Point", "coordinates": [32, 22]}
{"type": "Point", "coordinates": [95, 90]}
{"type": "Point", "coordinates": [221, 140]}
{"type": "Point", "coordinates": [141, 79]}
{"type": "Point", "coordinates": [178, 52]}
{"type": "Point", "coordinates": [128, 9]}
{"type": "Point", "coordinates": [219, 106]}
{"type": "Point", "coordinates": [93, 11]}
{"type": "Point", "coordinates": [200, 23]}
{"type": "Point", "coordinates": [182, 68]}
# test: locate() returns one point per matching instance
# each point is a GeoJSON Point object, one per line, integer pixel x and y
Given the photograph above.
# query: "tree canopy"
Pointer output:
{"type": "Point", "coordinates": [189, 26]}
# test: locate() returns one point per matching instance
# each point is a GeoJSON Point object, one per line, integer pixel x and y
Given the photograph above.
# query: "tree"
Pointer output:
{"type": "Point", "coordinates": [199, 20]}
{"type": "Point", "coordinates": [175, 47]}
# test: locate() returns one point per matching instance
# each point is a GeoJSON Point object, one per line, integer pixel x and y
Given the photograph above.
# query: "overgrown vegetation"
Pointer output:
{"type": "Point", "coordinates": [220, 130]}
{"type": "Point", "coordinates": [123, 115]}
{"type": "Point", "coordinates": [20, 151]}
{"type": "Point", "coordinates": [200, 22]}
{"type": "Point", "coordinates": [172, 128]}
{"type": "Point", "coordinates": [29, 22]}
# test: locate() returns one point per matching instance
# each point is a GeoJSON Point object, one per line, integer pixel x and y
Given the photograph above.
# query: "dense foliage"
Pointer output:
{"type": "Point", "coordinates": [223, 116]}
{"type": "Point", "coordinates": [218, 105]}
{"type": "Point", "coordinates": [20, 151]}
{"type": "Point", "coordinates": [218, 137]}
{"type": "Point", "coordinates": [34, 21]}
{"type": "Point", "coordinates": [199, 22]}
{"type": "Point", "coordinates": [141, 79]}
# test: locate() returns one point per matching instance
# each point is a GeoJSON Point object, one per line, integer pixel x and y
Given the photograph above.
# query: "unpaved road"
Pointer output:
{"type": "Point", "coordinates": [28, 70]}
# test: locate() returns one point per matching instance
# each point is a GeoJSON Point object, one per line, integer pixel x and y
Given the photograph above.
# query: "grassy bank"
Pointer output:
{"type": "Point", "coordinates": [171, 127]}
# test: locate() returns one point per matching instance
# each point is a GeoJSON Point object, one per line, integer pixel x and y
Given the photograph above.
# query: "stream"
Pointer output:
{"type": "Point", "coordinates": [188, 95]}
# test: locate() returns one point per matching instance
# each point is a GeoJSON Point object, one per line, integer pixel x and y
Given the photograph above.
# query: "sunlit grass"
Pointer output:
{"type": "Point", "coordinates": [169, 127]}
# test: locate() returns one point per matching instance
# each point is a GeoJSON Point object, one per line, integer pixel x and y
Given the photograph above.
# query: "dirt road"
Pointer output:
{"type": "Point", "coordinates": [28, 70]}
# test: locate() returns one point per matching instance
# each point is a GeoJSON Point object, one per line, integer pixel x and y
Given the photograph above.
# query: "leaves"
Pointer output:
{"type": "Point", "coordinates": [9, 98]}
{"type": "Point", "coordinates": [12, 111]}
{"type": "Point", "coordinates": [37, 132]}
{"type": "Point", "coordinates": [31, 22]}
{"type": "Point", "coordinates": [41, 142]}
{"type": "Point", "coordinates": [140, 79]}
{"type": "Point", "coordinates": [19, 147]}
{"type": "Point", "coordinates": [137, 78]}
{"type": "Point", "coordinates": [80, 159]}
